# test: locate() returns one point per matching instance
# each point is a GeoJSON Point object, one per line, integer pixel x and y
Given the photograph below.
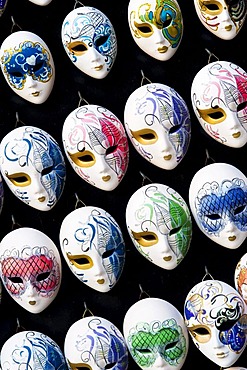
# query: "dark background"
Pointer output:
{"type": "Point", "coordinates": [112, 93]}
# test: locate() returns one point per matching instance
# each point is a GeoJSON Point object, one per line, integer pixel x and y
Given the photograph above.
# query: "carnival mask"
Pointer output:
{"type": "Point", "coordinates": [240, 277]}
{"type": "Point", "coordinates": [30, 349]}
{"type": "Point", "coordinates": [156, 26]}
{"type": "Point", "coordinates": [33, 167]}
{"type": "Point", "coordinates": [95, 343]}
{"type": "Point", "coordinates": [90, 41]}
{"type": "Point", "coordinates": [218, 202]}
{"type": "Point", "coordinates": [219, 100]}
{"type": "Point", "coordinates": [159, 224]}
{"type": "Point", "coordinates": [224, 18]}
{"type": "Point", "coordinates": [96, 146]}
{"type": "Point", "coordinates": [30, 268]}
{"type": "Point", "coordinates": [215, 315]}
{"type": "Point", "coordinates": [41, 2]}
{"type": "Point", "coordinates": [28, 66]}
{"type": "Point", "coordinates": [157, 122]}
{"type": "Point", "coordinates": [156, 335]}
{"type": "Point", "coordinates": [93, 247]}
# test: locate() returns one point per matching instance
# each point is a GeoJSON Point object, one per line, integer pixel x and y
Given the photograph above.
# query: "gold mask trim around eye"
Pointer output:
{"type": "Point", "coordinates": [145, 136]}
{"type": "Point", "coordinates": [199, 337]}
{"type": "Point", "coordinates": [145, 238]}
{"type": "Point", "coordinates": [210, 115]}
{"type": "Point", "coordinates": [77, 366]}
{"type": "Point", "coordinates": [76, 158]}
{"type": "Point", "coordinates": [74, 47]}
{"type": "Point", "coordinates": [82, 266]}
{"type": "Point", "coordinates": [204, 7]}
{"type": "Point", "coordinates": [15, 176]}
{"type": "Point", "coordinates": [140, 26]}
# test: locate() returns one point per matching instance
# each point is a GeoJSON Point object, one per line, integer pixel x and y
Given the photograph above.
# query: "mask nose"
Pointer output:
{"type": "Point", "coordinates": [225, 16]}
{"type": "Point", "coordinates": [30, 82]}
{"type": "Point", "coordinates": [159, 363]}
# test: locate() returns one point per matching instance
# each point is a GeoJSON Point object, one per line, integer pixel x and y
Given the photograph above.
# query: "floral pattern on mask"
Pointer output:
{"type": "Point", "coordinates": [27, 59]}
{"type": "Point", "coordinates": [217, 204]}
{"type": "Point", "coordinates": [147, 340]}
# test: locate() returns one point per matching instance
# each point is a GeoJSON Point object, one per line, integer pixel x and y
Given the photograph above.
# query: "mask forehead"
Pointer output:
{"type": "Point", "coordinates": [90, 41]}
{"type": "Point", "coordinates": [33, 167]}
{"type": "Point", "coordinates": [159, 224]}
{"type": "Point", "coordinates": [219, 100]}
{"type": "Point", "coordinates": [93, 247]}
{"type": "Point", "coordinates": [157, 122]}
{"type": "Point", "coordinates": [224, 18]}
{"type": "Point", "coordinates": [96, 343]}
{"type": "Point", "coordinates": [27, 65]}
{"type": "Point", "coordinates": [30, 268]}
{"type": "Point", "coordinates": [24, 349]}
{"type": "Point", "coordinates": [215, 314]}
{"type": "Point", "coordinates": [96, 146]}
{"type": "Point", "coordinates": [155, 333]}
{"type": "Point", "coordinates": [156, 26]}
{"type": "Point", "coordinates": [218, 201]}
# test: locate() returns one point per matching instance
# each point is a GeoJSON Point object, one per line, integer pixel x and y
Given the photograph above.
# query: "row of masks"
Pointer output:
{"type": "Point", "coordinates": [154, 333]}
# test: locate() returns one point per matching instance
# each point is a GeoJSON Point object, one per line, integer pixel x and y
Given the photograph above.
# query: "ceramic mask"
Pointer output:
{"type": "Point", "coordinates": [41, 2]}
{"type": "Point", "coordinates": [93, 247]}
{"type": "Point", "coordinates": [218, 202]}
{"type": "Point", "coordinates": [31, 350]}
{"type": "Point", "coordinates": [3, 4]}
{"type": "Point", "coordinates": [156, 26]}
{"type": "Point", "coordinates": [33, 167]}
{"type": "Point", "coordinates": [224, 18]}
{"type": "Point", "coordinates": [215, 315]}
{"type": "Point", "coordinates": [96, 146]}
{"type": "Point", "coordinates": [240, 277]}
{"type": "Point", "coordinates": [30, 268]}
{"type": "Point", "coordinates": [219, 100]}
{"type": "Point", "coordinates": [95, 343]}
{"type": "Point", "coordinates": [159, 224]}
{"type": "Point", "coordinates": [157, 122]}
{"type": "Point", "coordinates": [28, 66]}
{"type": "Point", "coordinates": [156, 335]}
{"type": "Point", "coordinates": [90, 41]}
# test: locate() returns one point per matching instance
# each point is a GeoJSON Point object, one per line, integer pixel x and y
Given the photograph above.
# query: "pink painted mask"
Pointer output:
{"type": "Point", "coordinates": [30, 268]}
{"type": "Point", "coordinates": [96, 146]}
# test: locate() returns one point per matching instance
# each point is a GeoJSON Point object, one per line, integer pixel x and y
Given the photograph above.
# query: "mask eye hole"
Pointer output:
{"type": "Point", "coordinates": [174, 129]}
{"type": "Point", "coordinates": [239, 210]}
{"type": "Point", "coordinates": [171, 345]}
{"type": "Point", "coordinates": [101, 40]}
{"type": "Point", "coordinates": [213, 116]}
{"type": "Point", "coordinates": [82, 262]}
{"type": "Point", "coordinates": [15, 279]}
{"type": "Point", "coordinates": [16, 74]}
{"type": "Point", "coordinates": [46, 171]}
{"type": "Point", "coordinates": [214, 216]}
{"type": "Point", "coordinates": [144, 351]}
{"type": "Point", "coordinates": [144, 29]}
{"type": "Point", "coordinates": [145, 137]}
{"type": "Point", "coordinates": [200, 333]}
{"type": "Point", "coordinates": [108, 253]}
{"type": "Point", "coordinates": [175, 230]}
{"type": "Point", "coordinates": [77, 48]}
{"type": "Point", "coordinates": [212, 7]}
{"type": "Point", "coordinates": [241, 106]}
{"type": "Point", "coordinates": [167, 21]}
{"type": "Point", "coordinates": [111, 149]}
{"type": "Point", "coordinates": [19, 179]}
{"type": "Point", "coordinates": [38, 66]}
{"type": "Point", "coordinates": [110, 366]}
{"type": "Point", "coordinates": [83, 159]}
{"type": "Point", "coordinates": [43, 276]}
{"type": "Point", "coordinates": [145, 239]}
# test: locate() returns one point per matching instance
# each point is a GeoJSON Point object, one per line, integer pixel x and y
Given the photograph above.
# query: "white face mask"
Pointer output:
{"type": "Point", "coordinates": [156, 26]}
{"type": "Point", "coordinates": [33, 167]}
{"type": "Point", "coordinates": [221, 114]}
{"type": "Point", "coordinates": [93, 247]}
{"type": "Point", "coordinates": [95, 343]}
{"type": "Point", "coordinates": [214, 314]}
{"type": "Point", "coordinates": [223, 18]}
{"type": "Point", "coordinates": [41, 2]}
{"type": "Point", "coordinates": [28, 66]}
{"type": "Point", "coordinates": [157, 122]}
{"type": "Point", "coordinates": [240, 277]}
{"type": "Point", "coordinates": [156, 335]}
{"type": "Point", "coordinates": [90, 41]}
{"type": "Point", "coordinates": [159, 224]}
{"type": "Point", "coordinates": [23, 350]}
{"type": "Point", "coordinates": [30, 268]}
{"type": "Point", "coordinates": [96, 146]}
{"type": "Point", "coordinates": [218, 202]}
